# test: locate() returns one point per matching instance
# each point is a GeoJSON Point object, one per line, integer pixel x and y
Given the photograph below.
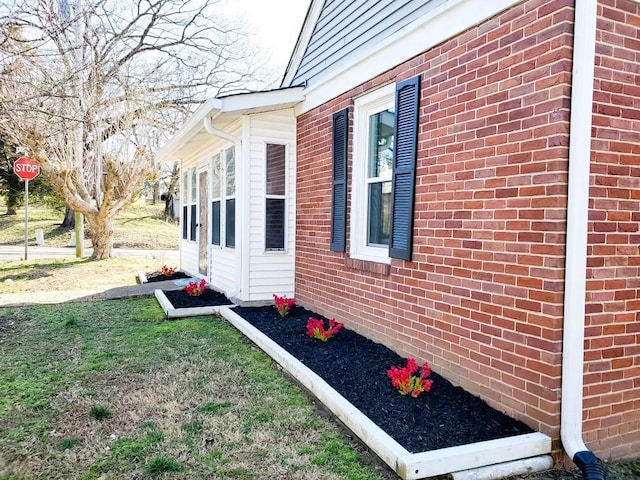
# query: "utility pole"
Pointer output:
{"type": "Point", "coordinates": [79, 218]}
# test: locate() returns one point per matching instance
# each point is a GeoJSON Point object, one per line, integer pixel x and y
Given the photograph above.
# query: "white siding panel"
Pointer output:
{"type": "Point", "coordinates": [189, 257]}
{"type": "Point", "coordinates": [269, 272]}
{"type": "Point", "coordinates": [222, 269]}
{"type": "Point", "coordinates": [222, 261]}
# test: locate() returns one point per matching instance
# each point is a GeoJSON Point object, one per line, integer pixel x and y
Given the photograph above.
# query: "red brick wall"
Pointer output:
{"type": "Point", "coordinates": [612, 379]}
{"type": "Point", "coordinates": [482, 298]}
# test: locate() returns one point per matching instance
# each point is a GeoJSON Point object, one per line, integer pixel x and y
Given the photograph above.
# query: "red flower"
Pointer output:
{"type": "Point", "coordinates": [168, 271]}
{"type": "Point", "coordinates": [405, 380]}
{"type": "Point", "coordinates": [283, 304]}
{"type": "Point", "coordinates": [315, 328]}
{"type": "Point", "coordinates": [194, 289]}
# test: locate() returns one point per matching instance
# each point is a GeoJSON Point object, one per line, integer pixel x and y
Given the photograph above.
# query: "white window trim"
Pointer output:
{"type": "Point", "coordinates": [217, 157]}
{"type": "Point", "coordinates": [278, 251]}
{"type": "Point", "coordinates": [365, 106]}
{"type": "Point", "coordinates": [193, 201]}
{"type": "Point", "coordinates": [229, 196]}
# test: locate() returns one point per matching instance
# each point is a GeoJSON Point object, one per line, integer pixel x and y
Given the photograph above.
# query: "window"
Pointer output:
{"type": "Point", "coordinates": [275, 198]}
{"type": "Point", "coordinates": [222, 198]}
{"type": "Point", "coordinates": [193, 220]}
{"type": "Point", "coordinates": [230, 197]}
{"type": "Point", "coordinates": [216, 194]}
{"type": "Point", "coordinates": [374, 119]}
{"type": "Point", "coordinates": [379, 159]}
{"type": "Point", "coordinates": [385, 127]}
{"type": "Point", "coordinates": [185, 208]}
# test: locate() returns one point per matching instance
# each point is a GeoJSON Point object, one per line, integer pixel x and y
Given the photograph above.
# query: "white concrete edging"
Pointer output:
{"type": "Point", "coordinates": [517, 450]}
{"type": "Point", "coordinates": [142, 277]}
{"type": "Point", "coordinates": [507, 469]}
{"type": "Point", "coordinates": [171, 312]}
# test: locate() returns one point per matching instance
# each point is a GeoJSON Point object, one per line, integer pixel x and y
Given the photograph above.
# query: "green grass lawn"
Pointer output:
{"type": "Point", "coordinates": [138, 226]}
{"type": "Point", "coordinates": [110, 390]}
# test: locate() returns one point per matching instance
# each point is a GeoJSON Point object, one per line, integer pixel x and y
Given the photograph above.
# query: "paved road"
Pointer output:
{"type": "Point", "coordinates": [16, 252]}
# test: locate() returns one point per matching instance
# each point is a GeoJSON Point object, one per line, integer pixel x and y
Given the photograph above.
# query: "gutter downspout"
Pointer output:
{"type": "Point", "coordinates": [576, 241]}
{"type": "Point", "coordinates": [237, 142]}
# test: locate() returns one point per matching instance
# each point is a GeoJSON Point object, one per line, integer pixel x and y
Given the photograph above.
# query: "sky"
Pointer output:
{"type": "Point", "coordinates": [276, 24]}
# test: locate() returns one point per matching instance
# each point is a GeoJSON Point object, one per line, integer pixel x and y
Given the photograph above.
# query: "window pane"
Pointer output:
{"type": "Point", "coordinates": [381, 127]}
{"type": "Point", "coordinates": [194, 186]}
{"type": "Point", "coordinates": [379, 213]}
{"type": "Point", "coordinates": [185, 187]}
{"type": "Point", "coordinates": [215, 222]}
{"type": "Point", "coordinates": [275, 224]}
{"type": "Point", "coordinates": [275, 169]}
{"type": "Point", "coordinates": [194, 221]}
{"type": "Point", "coordinates": [230, 166]}
{"type": "Point", "coordinates": [215, 177]}
{"type": "Point", "coordinates": [185, 222]}
{"type": "Point", "coordinates": [230, 223]}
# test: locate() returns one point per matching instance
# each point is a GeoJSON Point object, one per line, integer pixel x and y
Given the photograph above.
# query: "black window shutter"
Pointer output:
{"type": "Point", "coordinates": [404, 168]}
{"type": "Point", "coordinates": [339, 182]}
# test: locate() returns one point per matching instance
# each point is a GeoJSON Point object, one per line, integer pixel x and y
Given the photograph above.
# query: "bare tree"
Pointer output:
{"type": "Point", "coordinates": [89, 86]}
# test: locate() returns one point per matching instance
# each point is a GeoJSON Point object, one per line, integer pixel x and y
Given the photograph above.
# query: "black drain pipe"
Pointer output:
{"type": "Point", "coordinates": [590, 465]}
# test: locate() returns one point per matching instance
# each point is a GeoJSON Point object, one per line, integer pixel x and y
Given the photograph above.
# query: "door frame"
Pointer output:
{"type": "Point", "coordinates": [203, 235]}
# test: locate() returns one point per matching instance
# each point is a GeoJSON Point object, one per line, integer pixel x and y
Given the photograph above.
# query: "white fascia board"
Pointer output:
{"type": "Point", "coordinates": [257, 102]}
{"type": "Point", "coordinates": [446, 21]}
{"type": "Point", "coordinates": [235, 105]}
{"type": "Point", "coordinates": [313, 13]}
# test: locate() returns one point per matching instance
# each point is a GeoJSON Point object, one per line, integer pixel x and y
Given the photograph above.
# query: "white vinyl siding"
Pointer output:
{"type": "Point", "coordinates": [222, 261]}
{"type": "Point", "coordinates": [248, 272]}
{"type": "Point", "coordinates": [270, 272]}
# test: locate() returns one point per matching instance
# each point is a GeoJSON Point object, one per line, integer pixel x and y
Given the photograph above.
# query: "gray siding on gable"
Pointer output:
{"type": "Point", "coordinates": [346, 29]}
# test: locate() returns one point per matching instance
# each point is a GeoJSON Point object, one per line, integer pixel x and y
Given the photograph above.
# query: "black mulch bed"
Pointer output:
{"type": "Point", "coordinates": [356, 368]}
{"type": "Point", "coordinates": [210, 298]}
{"type": "Point", "coordinates": [161, 277]}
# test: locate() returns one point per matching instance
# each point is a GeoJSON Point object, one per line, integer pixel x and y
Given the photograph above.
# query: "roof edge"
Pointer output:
{"type": "Point", "coordinates": [310, 20]}
{"type": "Point", "coordinates": [239, 104]}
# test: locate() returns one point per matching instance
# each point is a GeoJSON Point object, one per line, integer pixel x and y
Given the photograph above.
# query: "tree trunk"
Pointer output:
{"type": "Point", "coordinates": [69, 218]}
{"type": "Point", "coordinates": [12, 202]}
{"type": "Point", "coordinates": [101, 237]}
{"type": "Point", "coordinates": [156, 193]}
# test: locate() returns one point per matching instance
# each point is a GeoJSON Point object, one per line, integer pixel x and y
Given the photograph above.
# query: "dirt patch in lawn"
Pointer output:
{"type": "Point", "coordinates": [7, 324]}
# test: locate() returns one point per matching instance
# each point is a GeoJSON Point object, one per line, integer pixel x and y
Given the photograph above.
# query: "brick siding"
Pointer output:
{"type": "Point", "coordinates": [482, 298]}
{"type": "Point", "coordinates": [612, 378]}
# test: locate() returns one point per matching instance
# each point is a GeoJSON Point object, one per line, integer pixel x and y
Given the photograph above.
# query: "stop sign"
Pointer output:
{"type": "Point", "coordinates": [26, 168]}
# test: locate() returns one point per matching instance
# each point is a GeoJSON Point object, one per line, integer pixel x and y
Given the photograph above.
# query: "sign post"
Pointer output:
{"type": "Point", "coordinates": [27, 169]}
